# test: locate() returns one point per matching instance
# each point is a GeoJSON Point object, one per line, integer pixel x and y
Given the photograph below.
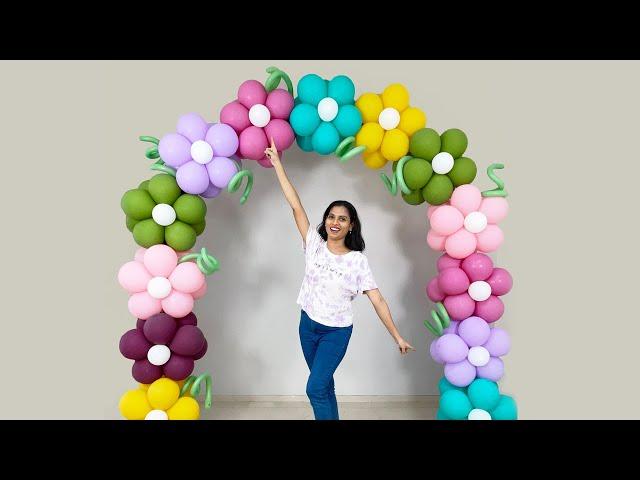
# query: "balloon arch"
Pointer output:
{"type": "Point", "coordinates": [199, 160]}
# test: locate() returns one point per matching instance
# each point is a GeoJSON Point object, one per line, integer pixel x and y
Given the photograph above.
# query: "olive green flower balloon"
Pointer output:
{"type": "Point", "coordinates": [159, 212]}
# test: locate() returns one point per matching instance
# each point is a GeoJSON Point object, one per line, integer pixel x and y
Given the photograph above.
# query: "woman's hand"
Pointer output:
{"type": "Point", "coordinates": [272, 153]}
{"type": "Point", "coordinates": [404, 346]}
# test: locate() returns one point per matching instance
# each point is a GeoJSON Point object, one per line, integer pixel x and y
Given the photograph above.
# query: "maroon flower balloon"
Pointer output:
{"type": "Point", "coordinates": [163, 345]}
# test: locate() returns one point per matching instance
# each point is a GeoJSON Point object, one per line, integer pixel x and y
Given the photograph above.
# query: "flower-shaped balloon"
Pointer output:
{"type": "Point", "coordinates": [468, 222]}
{"type": "Point", "coordinates": [437, 166]}
{"type": "Point", "coordinates": [481, 400]}
{"type": "Point", "coordinates": [469, 350]}
{"type": "Point", "coordinates": [389, 122]}
{"type": "Point", "coordinates": [159, 212]}
{"type": "Point", "coordinates": [202, 155]}
{"type": "Point", "coordinates": [157, 282]}
{"type": "Point", "coordinates": [257, 116]}
{"type": "Point", "coordinates": [470, 287]}
{"type": "Point", "coordinates": [159, 401]}
{"type": "Point", "coordinates": [163, 346]}
{"type": "Point", "coordinates": [325, 113]}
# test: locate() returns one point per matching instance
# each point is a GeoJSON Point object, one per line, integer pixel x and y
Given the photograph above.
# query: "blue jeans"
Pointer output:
{"type": "Point", "coordinates": [323, 348]}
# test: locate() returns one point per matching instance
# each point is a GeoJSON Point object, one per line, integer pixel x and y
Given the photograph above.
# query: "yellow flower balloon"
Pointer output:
{"type": "Point", "coordinates": [159, 401]}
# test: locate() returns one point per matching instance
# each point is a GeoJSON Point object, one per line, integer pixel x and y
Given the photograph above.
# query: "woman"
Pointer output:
{"type": "Point", "coordinates": [336, 272]}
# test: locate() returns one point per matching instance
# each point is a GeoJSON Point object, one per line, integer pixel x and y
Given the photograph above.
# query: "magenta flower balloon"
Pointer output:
{"type": "Point", "coordinates": [470, 287]}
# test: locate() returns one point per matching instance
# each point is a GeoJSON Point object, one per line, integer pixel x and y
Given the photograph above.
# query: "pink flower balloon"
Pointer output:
{"type": "Point", "coordinates": [470, 287]}
{"type": "Point", "coordinates": [157, 282]}
{"type": "Point", "coordinates": [257, 116]}
{"type": "Point", "coordinates": [467, 223]}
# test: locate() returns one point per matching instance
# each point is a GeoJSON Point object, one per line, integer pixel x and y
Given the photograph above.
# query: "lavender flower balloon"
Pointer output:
{"type": "Point", "coordinates": [202, 154]}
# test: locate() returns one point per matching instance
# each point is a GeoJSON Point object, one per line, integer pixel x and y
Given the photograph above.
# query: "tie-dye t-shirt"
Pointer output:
{"type": "Point", "coordinates": [332, 281]}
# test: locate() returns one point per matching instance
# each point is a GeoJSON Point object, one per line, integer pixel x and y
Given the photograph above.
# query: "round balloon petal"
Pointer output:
{"type": "Point", "coordinates": [494, 208]}
{"type": "Point", "coordinates": [211, 192]}
{"type": "Point", "coordinates": [506, 409]}
{"type": "Point", "coordinates": [160, 261]}
{"type": "Point", "coordinates": [200, 292]}
{"type": "Point", "coordinates": [490, 309]}
{"type": "Point", "coordinates": [445, 261]}
{"type": "Point", "coordinates": [395, 145]}
{"type": "Point", "coordinates": [452, 328]}
{"type": "Point", "coordinates": [187, 278]}
{"type": "Point", "coordinates": [460, 374]}
{"type": "Point", "coordinates": [436, 241]}
{"type": "Point", "coordinates": [134, 405]}
{"type": "Point", "coordinates": [192, 126]}
{"type": "Point", "coordinates": [466, 198]}
{"type": "Point", "coordinates": [348, 121]}
{"type": "Point", "coordinates": [253, 143]}
{"type": "Point", "coordinates": [433, 291]}
{"type": "Point", "coordinates": [370, 106]}
{"type": "Point", "coordinates": [192, 178]}
{"type": "Point", "coordinates": [139, 255]}
{"type": "Point", "coordinates": [425, 143]}
{"type": "Point", "coordinates": [223, 140]}
{"type": "Point", "coordinates": [446, 220]}
{"type": "Point", "coordinates": [374, 161]}
{"type": "Point", "coordinates": [178, 304]}
{"type": "Point", "coordinates": [499, 343]}
{"type": "Point", "coordinates": [370, 135]}
{"type": "Point", "coordinates": [281, 132]}
{"type": "Point", "coordinates": [190, 209]}
{"type": "Point", "coordinates": [144, 371]}
{"type": "Point", "coordinates": [188, 341]}
{"type": "Point", "coordinates": [453, 281]}
{"type": "Point", "coordinates": [483, 394]}
{"type": "Point", "coordinates": [459, 307]}
{"type": "Point", "coordinates": [455, 404]}
{"type": "Point", "coordinates": [221, 170]}
{"type": "Point", "coordinates": [133, 277]}
{"type": "Point", "coordinates": [433, 351]}
{"type": "Point", "coordinates": [312, 89]}
{"type": "Point", "coordinates": [251, 92]}
{"type": "Point", "coordinates": [493, 370]}
{"type": "Point", "coordinates": [235, 115]}
{"type": "Point", "coordinates": [304, 119]}
{"type": "Point", "coordinates": [412, 120]}
{"type": "Point", "coordinates": [178, 367]}
{"type": "Point", "coordinates": [174, 149]}
{"type": "Point", "coordinates": [451, 348]}
{"type": "Point", "coordinates": [461, 244]}
{"type": "Point", "coordinates": [430, 209]}
{"type": "Point", "coordinates": [490, 239]}
{"type": "Point", "coordinates": [202, 351]}
{"type": "Point", "coordinates": [325, 139]}
{"type": "Point", "coordinates": [280, 103]}
{"type": "Point", "coordinates": [159, 329]}
{"type": "Point", "coordinates": [454, 141]}
{"type": "Point", "coordinates": [500, 281]}
{"type": "Point", "coordinates": [143, 305]}
{"type": "Point", "coordinates": [477, 266]}
{"type": "Point", "coordinates": [133, 345]}
{"type": "Point", "coordinates": [474, 331]}
{"type": "Point", "coordinates": [190, 319]}
{"type": "Point", "coordinates": [342, 90]}
{"type": "Point", "coordinates": [464, 171]}
{"type": "Point", "coordinates": [396, 96]}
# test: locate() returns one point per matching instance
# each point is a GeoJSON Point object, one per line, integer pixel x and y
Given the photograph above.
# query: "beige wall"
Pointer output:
{"type": "Point", "coordinates": [565, 130]}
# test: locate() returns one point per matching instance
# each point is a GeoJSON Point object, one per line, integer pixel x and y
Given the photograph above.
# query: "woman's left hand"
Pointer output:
{"type": "Point", "coordinates": [404, 346]}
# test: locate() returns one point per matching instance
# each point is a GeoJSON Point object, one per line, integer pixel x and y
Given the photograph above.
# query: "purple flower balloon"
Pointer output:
{"type": "Point", "coordinates": [470, 350]}
{"type": "Point", "coordinates": [202, 155]}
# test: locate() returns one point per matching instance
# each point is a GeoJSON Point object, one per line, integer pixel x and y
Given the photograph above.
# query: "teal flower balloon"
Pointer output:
{"type": "Point", "coordinates": [481, 400]}
{"type": "Point", "coordinates": [324, 114]}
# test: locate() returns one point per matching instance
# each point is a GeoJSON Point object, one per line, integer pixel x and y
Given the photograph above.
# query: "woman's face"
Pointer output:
{"type": "Point", "coordinates": [337, 223]}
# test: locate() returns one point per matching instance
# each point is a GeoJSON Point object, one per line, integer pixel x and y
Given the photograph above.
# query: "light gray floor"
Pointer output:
{"type": "Point", "coordinates": [298, 408]}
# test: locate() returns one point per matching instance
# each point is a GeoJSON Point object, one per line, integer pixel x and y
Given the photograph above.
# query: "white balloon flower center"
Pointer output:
{"type": "Point", "coordinates": [259, 115]}
{"type": "Point", "coordinates": [201, 152]}
{"type": "Point", "coordinates": [478, 356]}
{"type": "Point", "coordinates": [327, 109]}
{"type": "Point", "coordinates": [158, 355]}
{"type": "Point", "coordinates": [479, 414]}
{"type": "Point", "coordinates": [479, 291]}
{"type": "Point", "coordinates": [475, 222]}
{"type": "Point", "coordinates": [157, 415]}
{"type": "Point", "coordinates": [442, 163]}
{"type": "Point", "coordinates": [159, 287]}
{"type": "Point", "coordinates": [389, 118]}
{"type": "Point", "coordinates": [163, 214]}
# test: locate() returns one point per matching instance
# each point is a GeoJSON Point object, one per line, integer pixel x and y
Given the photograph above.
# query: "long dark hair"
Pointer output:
{"type": "Point", "coordinates": [353, 240]}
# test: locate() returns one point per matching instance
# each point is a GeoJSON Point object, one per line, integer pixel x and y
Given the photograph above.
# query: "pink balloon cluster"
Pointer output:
{"type": "Point", "coordinates": [467, 223]}
{"type": "Point", "coordinates": [258, 116]}
{"type": "Point", "coordinates": [470, 287]}
{"type": "Point", "coordinates": [158, 283]}
{"type": "Point", "coordinates": [470, 350]}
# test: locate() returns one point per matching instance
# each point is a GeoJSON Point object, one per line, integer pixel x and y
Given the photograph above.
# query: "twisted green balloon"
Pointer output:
{"type": "Point", "coordinates": [441, 320]}
{"type": "Point", "coordinates": [499, 191]}
{"type": "Point", "coordinates": [236, 181]}
{"type": "Point", "coordinates": [275, 75]}
{"type": "Point", "coordinates": [345, 150]}
{"type": "Point", "coordinates": [397, 178]}
{"type": "Point", "coordinates": [207, 264]}
{"type": "Point", "coordinates": [192, 382]}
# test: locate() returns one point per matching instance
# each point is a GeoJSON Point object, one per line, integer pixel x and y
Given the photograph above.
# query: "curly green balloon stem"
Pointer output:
{"type": "Point", "coordinates": [207, 263]}
{"type": "Point", "coordinates": [345, 150]}
{"type": "Point", "coordinates": [161, 167]}
{"type": "Point", "coordinates": [440, 318]}
{"type": "Point", "coordinates": [236, 181]}
{"type": "Point", "coordinates": [146, 138]}
{"type": "Point", "coordinates": [275, 76]}
{"type": "Point", "coordinates": [499, 191]}
{"type": "Point", "coordinates": [397, 179]}
{"type": "Point", "coordinates": [152, 153]}
{"type": "Point", "coordinates": [192, 385]}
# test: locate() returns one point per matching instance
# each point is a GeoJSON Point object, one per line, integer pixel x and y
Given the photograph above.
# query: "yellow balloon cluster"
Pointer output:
{"type": "Point", "coordinates": [160, 400]}
{"type": "Point", "coordinates": [389, 122]}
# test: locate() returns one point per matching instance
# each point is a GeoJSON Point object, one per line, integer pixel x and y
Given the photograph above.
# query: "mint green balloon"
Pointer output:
{"type": "Point", "coordinates": [164, 188]}
{"type": "Point", "coordinates": [455, 405]}
{"type": "Point", "coordinates": [199, 227]}
{"type": "Point", "coordinates": [425, 143]}
{"type": "Point", "coordinates": [438, 190]}
{"type": "Point", "coordinates": [131, 223]}
{"type": "Point", "coordinates": [413, 198]}
{"type": "Point", "coordinates": [484, 394]}
{"type": "Point", "coordinates": [180, 236]}
{"type": "Point", "coordinates": [416, 173]}
{"type": "Point", "coordinates": [312, 89]}
{"type": "Point", "coordinates": [137, 204]}
{"type": "Point", "coordinates": [454, 141]}
{"type": "Point", "coordinates": [506, 409]}
{"type": "Point", "coordinates": [190, 209]}
{"type": "Point", "coordinates": [148, 233]}
{"type": "Point", "coordinates": [445, 385]}
{"type": "Point", "coordinates": [463, 172]}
